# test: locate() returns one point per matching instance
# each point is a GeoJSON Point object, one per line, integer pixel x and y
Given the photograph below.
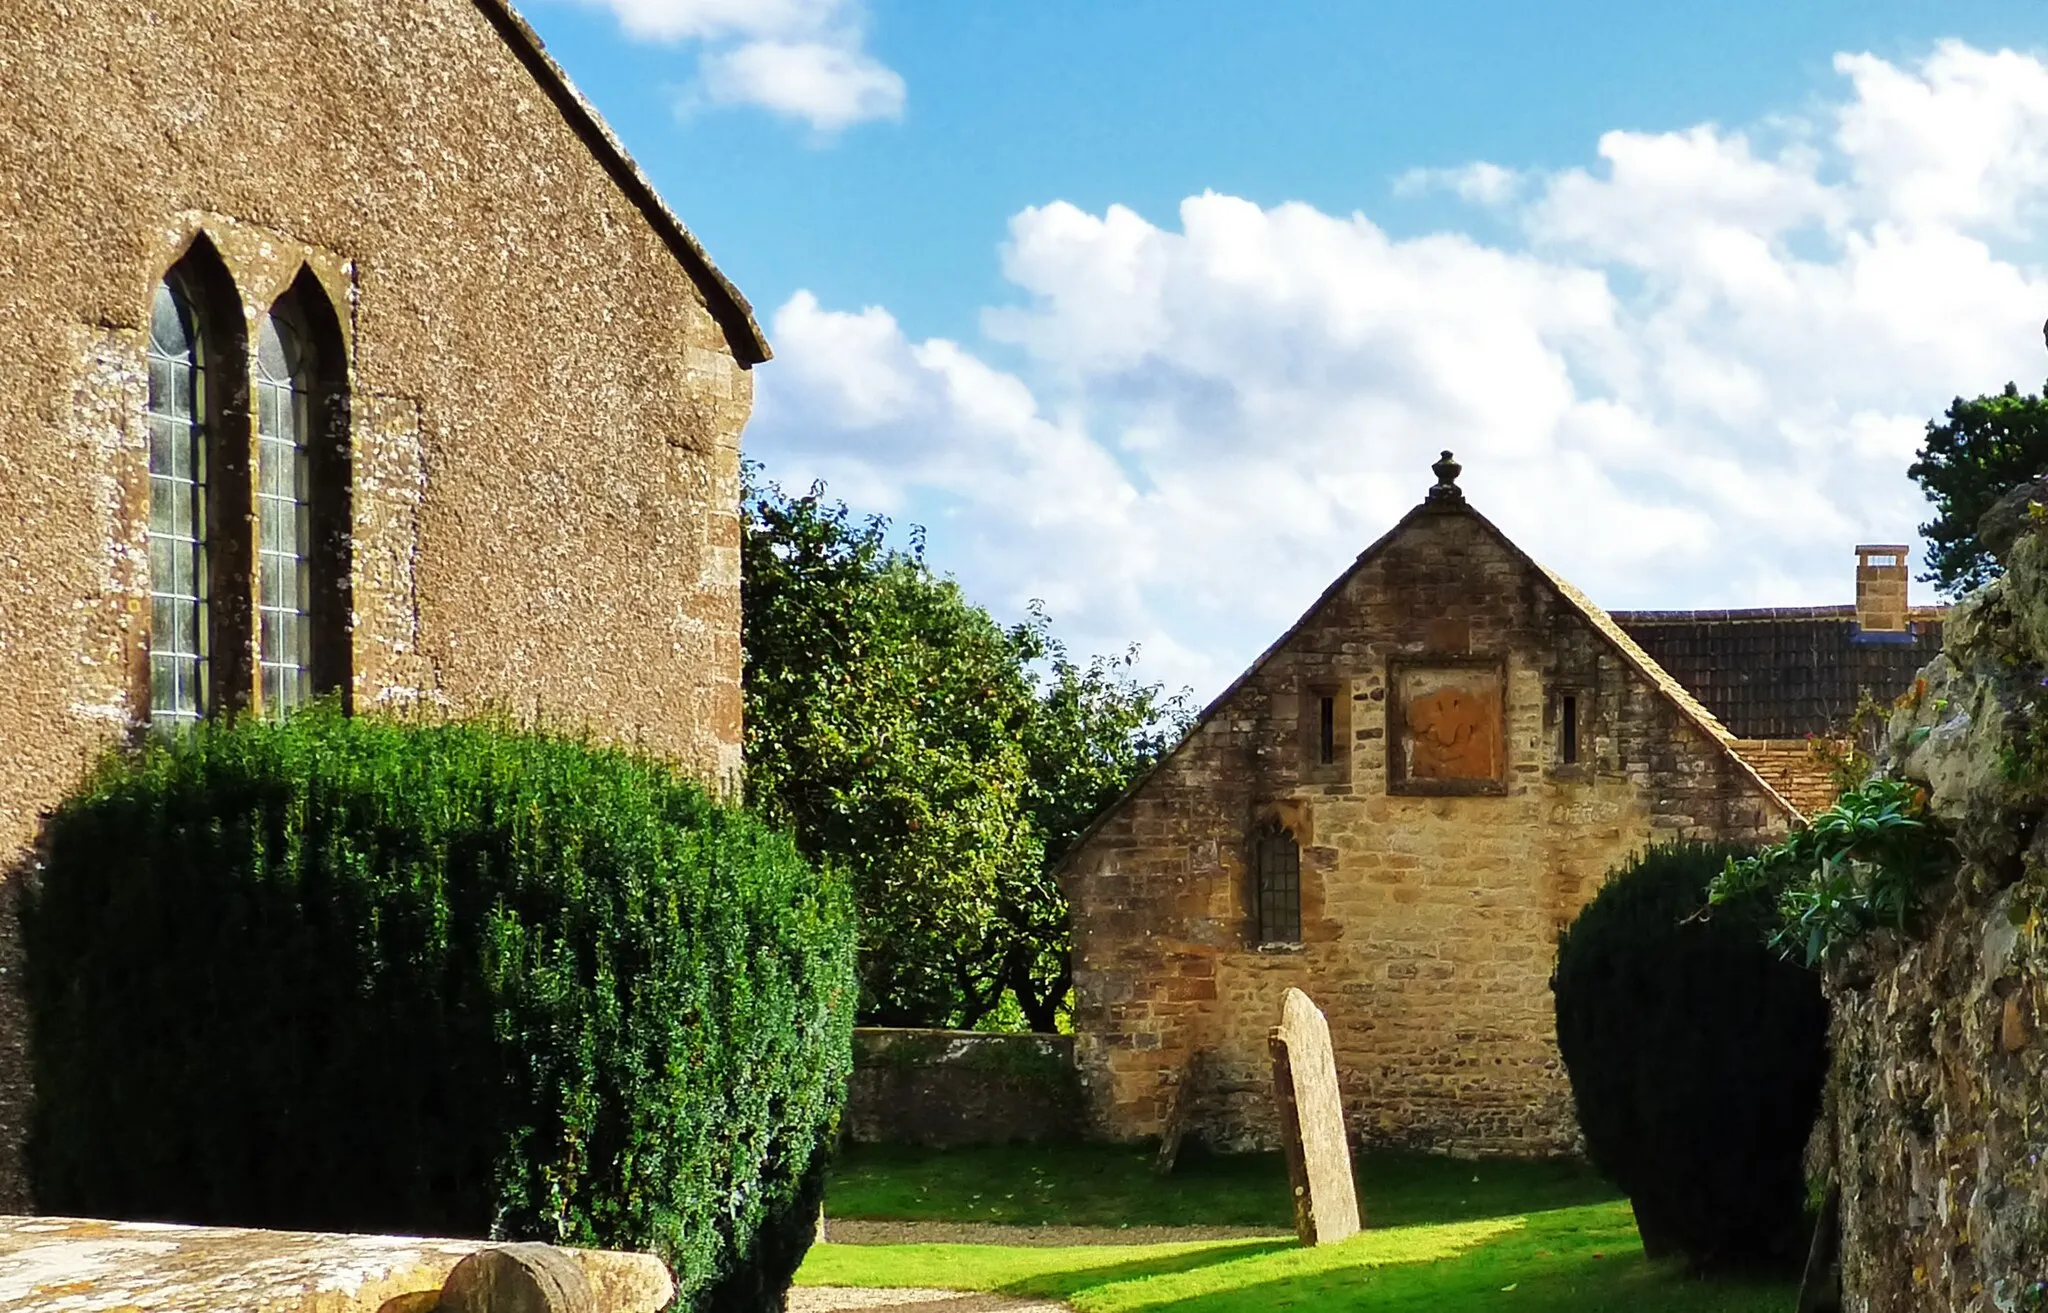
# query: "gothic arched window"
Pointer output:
{"type": "Point", "coordinates": [249, 504]}
{"type": "Point", "coordinates": [302, 500]}
{"type": "Point", "coordinates": [179, 468]}
{"type": "Point", "coordinates": [1276, 885]}
{"type": "Point", "coordinates": [284, 516]}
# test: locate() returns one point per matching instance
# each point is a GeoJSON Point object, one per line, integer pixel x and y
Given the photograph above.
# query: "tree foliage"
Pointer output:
{"type": "Point", "coordinates": [1858, 867]}
{"type": "Point", "coordinates": [1977, 452]}
{"type": "Point", "coordinates": [942, 760]}
{"type": "Point", "coordinates": [1092, 731]}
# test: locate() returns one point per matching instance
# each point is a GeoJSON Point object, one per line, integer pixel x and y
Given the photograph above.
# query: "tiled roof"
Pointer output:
{"type": "Point", "coordinates": [1653, 669]}
{"type": "Point", "coordinates": [1647, 665]}
{"type": "Point", "coordinates": [1784, 673]}
{"type": "Point", "coordinates": [1801, 770]}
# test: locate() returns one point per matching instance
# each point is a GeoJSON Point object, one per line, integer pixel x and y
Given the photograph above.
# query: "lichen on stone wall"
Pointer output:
{"type": "Point", "coordinates": [1940, 1072]}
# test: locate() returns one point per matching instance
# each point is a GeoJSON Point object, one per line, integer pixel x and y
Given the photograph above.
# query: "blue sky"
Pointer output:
{"type": "Point", "coordinates": [1159, 310]}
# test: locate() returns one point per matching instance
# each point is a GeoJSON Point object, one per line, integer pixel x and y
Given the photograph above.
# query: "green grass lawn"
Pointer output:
{"type": "Point", "coordinates": [1445, 1235]}
{"type": "Point", "coordinates": [1096, 1185]}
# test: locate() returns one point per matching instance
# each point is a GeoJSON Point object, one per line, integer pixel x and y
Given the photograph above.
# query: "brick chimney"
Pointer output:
{"type": "Point", "coordinates": [1881, 588]}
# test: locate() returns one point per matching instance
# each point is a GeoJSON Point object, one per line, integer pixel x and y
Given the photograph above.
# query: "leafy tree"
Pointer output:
{"type": "Point", "coordinates": [1980, 450]}
{"type": "Point", "coordinates": [884, 719]}
{"type": "Point", "coordinates": [1094, 731]}
{"type": "Point", "coordinates": [911, 741]}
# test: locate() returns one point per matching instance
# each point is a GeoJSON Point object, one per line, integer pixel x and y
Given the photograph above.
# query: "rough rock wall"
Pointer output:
{"type": "Point", "coordinates": [1428, 923]}
{"type": "Point", "coordinates": [1939, 1087]}
{"type": "Point", "coordinates": [545, 409]}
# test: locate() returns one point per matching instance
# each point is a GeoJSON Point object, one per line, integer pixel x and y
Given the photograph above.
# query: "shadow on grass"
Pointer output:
{"type": "Point", "coordinates": [1585, 1260]}
{"type": "Point", "coordinates": [1059, 1285]}
{"type": "Point", "coordinates": [1107, 1185]}
{"type": "Point", "coordinates": [1502, 1276]}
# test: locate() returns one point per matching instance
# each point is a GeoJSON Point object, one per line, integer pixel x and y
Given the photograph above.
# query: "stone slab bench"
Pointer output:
{"type": "Point", "coordinates": [80, 1265]}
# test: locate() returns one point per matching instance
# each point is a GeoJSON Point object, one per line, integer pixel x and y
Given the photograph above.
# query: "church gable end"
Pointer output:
{"type": "Point", "coordinates": [352, 357]}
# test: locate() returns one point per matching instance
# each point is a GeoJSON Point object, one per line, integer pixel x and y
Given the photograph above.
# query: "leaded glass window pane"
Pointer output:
{"type": "Point", "coordinates": [178, 665]}
{"type": "Point", "coordinates": [283, 518]}
{"type": "Point", "coordinates": [1276, 859]}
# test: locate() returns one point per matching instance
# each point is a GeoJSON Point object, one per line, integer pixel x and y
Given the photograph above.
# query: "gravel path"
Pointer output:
{"type": "Point", "coordinates": [853, 1232]}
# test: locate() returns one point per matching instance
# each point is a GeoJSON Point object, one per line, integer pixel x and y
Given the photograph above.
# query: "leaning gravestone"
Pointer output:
{"type": "Point", "coordinates": [1312, 1124]}
{"type": "Point", "coordinates": [1178, 1113]}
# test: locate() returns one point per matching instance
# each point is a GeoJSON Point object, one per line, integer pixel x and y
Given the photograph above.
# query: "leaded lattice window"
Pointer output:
{"type": "Point", "coordinates": [284, 517]}
{"type": "Point", "coordinates": [178, 640]}
{"type": "Point", "coordinates": [1276, 874]}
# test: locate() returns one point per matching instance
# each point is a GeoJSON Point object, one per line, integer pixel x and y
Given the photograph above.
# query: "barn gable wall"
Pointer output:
{"type": "Point", "coordinates": [1428, 922]}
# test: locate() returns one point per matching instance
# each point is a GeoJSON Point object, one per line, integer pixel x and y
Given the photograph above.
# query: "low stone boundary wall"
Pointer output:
{"type": "Point", "coordinates": [946, 1088]}
{"type": "Point", "coordinates": [90, 1266]}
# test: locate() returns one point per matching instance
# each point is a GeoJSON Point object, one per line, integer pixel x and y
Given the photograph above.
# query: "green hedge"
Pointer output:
{"type": "Point", "coordinates": [352, 974]}
{"type": "Point", "coordinates": [1696, 1056]}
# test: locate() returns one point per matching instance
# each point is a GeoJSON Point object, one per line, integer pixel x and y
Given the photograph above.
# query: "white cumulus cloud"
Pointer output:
{"type": "Point", "coordinates": [1481, 183]}
{"type": "Point", "coordinates": [831, 87]}
{"type": "Point", "coordinates": [803, 59]}
{"type": "Point", "coordinates": [1695, 378]}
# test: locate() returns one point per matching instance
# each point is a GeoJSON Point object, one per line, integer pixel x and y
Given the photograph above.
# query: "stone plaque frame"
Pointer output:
{"type": "Point", "coordinates": [1408, 678]}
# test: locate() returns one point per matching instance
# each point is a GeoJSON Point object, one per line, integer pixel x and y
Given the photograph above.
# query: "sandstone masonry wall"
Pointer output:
{"type": "Point", "coordinates": [546, 409]}
{"type": "Point", "coordinates": [1428, 923]}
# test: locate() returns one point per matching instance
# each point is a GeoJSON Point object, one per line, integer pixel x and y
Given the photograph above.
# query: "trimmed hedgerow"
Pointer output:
{"type": "Point", "coordinates": [1696, 1056]}
{"type": "Point", "coordinates": [353, 974]}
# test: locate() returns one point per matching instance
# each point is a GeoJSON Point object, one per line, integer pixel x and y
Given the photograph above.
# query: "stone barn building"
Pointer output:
{"type": "Point", "coordinates": [348, 355]}
{"type": "Point", "coordinates": [1400, 804]}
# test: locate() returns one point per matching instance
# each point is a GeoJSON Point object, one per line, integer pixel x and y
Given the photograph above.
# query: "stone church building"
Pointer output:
{"type": "Point", "coordinates": [347, 355]}
{"type": "Point", "coordinates": [1401, 803]}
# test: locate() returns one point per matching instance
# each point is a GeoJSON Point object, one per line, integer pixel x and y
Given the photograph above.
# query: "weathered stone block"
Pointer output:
{"type": "Point", "coordinates": [1312, 1124]}
{"type": "Point", "coordinates": [150, 1267]}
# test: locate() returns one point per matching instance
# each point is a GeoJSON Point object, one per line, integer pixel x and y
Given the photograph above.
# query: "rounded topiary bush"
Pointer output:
{"type": "Point", "coordinates": [353, 974]}
{"type": "Point", "coordinates": [1696, 1055]}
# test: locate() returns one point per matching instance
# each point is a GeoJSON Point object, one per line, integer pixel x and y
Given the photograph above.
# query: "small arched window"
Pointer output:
{"type": "Point", "coordinates": [284, 516]}
{"type": "Point", "coordinates": [302, 501]}
{"type": "Point", "coordinates": [1276, 885]}
{"type": "Point", "coordinates": [179, 641]}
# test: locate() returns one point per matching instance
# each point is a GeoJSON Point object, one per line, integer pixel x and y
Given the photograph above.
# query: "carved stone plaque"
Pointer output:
{"type": "Point", "coordinates": [1312, 1124]}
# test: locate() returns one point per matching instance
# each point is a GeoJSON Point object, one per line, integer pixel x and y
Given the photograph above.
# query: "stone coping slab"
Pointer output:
{"type": "Point", "coordinates": [83, 1265]}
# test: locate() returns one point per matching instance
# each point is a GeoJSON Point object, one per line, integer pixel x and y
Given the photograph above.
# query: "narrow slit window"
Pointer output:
{"type": "Point", "coordinates": [1568, 730]}
{"type": "Point", "coordinates": [178, 640]}
{"type": "Point", "coordinates": [1276, 862]}
{"type": "Point", "coordinates": [284, 517]}
{"type": "Point", "coordinates": [1326, 740]}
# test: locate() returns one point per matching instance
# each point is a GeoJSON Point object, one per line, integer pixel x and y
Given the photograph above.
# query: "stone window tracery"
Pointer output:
{"type": "Point", "coordinates": [249, 542]}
